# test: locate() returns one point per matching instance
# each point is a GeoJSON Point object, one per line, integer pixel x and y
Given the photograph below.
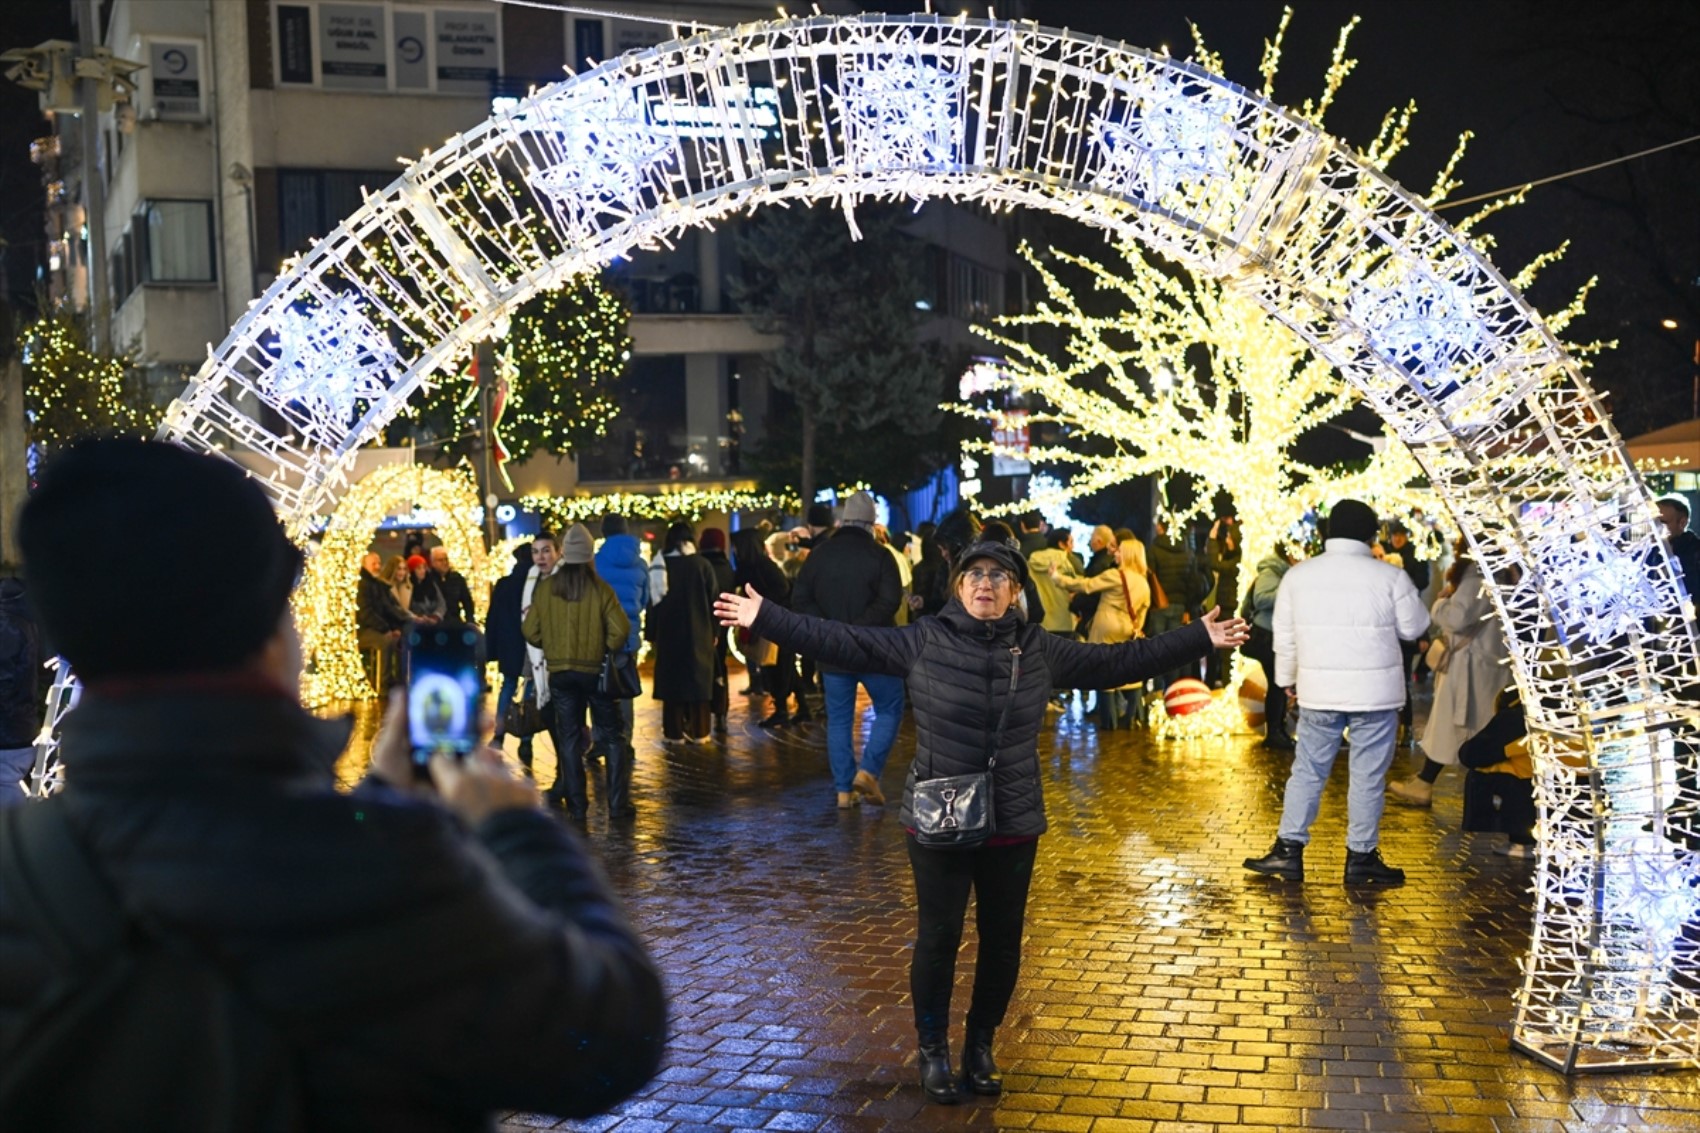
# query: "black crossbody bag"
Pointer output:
{"type": "Point", "coordinates": [955, 812]}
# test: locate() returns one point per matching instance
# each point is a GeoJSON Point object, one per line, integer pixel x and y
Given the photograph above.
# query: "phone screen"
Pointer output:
{"type": "Point", "coordinates": [443, 689]}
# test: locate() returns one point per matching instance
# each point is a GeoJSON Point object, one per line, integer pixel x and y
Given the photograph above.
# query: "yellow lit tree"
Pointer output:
{"type": "Point", "coordinates": [1190, 377]}
{"type": "Point", "coordinates": [72, 390]}
{"type": "Point", "coordinates": [564, 359]}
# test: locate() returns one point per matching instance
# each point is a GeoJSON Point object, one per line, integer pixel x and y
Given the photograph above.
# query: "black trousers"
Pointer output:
{"type": "Point", "coordinates": [999, 877]}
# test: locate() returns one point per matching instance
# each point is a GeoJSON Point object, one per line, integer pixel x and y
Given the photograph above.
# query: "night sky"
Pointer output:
{"type": "Point", "coordinates": [1546, 86]}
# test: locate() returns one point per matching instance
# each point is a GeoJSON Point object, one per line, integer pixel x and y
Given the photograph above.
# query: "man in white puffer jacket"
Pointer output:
{"type": "Point", "coordinates": [1339, 619]}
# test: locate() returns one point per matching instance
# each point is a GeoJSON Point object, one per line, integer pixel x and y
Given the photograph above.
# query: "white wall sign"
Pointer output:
{"type": "Point", "coordinates": [353, 51]}
{"type": "Point", "coordinates": [468, 51]}
{"type": "Point", "coordinates": [412, 62]}
{"type": "Point", "coordinates": [174, 75]}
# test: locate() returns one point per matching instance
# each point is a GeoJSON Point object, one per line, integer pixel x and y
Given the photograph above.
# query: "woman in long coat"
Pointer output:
{"type": "Point", "coordinates": [712, 546]}
{"type": "Point", "coordinates": [979, 676]}
{"type": "Point", "coordinates": [681, 628]}
{"type": "Point", "coordinates": [1115, 620]}
{"type": "Point", "coordinates": [1476, 673]}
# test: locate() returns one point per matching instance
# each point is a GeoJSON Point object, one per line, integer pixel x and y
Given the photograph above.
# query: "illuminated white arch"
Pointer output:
{"type": "Point", "coordinates": [1146, 148]}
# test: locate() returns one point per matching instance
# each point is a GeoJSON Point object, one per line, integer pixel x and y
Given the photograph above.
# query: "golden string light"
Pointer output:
{"type": "Point", "coordinates": [1126, 380]}
{"type": "Point", "coordinates": [326, 601]}
{"type": "Point", "coordinates": [561, 512]}
{"type": "Point", "coordinates": [72, 391]}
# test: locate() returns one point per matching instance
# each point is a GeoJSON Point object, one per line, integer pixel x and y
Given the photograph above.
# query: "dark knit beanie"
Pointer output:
{"type": "Point", "coordinates": [613, 525]}
{"type": "Point", "coordinates": [713, 539]}
{"type": "Point", "coordinates": [207, 569]}
{"type": "Point", "coordinates": [1352, 519]}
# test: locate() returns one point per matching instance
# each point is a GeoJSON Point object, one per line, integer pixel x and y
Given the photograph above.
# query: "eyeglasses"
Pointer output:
{"type": "Point", "coordinates": [995, 577]}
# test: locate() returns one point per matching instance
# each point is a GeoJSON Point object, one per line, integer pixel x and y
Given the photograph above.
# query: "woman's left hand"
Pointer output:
{"type": "Point", "coordinates": [734, 609]}
{"type": "Point", "coordinates": [1225, 634]}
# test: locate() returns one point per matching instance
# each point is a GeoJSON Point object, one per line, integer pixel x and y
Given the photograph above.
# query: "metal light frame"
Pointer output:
{"type": "Point", "coordinates": [1144, 147]}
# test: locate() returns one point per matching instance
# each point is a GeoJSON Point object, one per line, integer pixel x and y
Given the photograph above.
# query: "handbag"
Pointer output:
{"type": "Point", "coordinates": [618, 677]}
{"type": "Point", "coordinates": [954, 812]}
{"type": "Point", "coordinates": [522, 718]}
{"type": "Point", "coordinates": [1437, 656]}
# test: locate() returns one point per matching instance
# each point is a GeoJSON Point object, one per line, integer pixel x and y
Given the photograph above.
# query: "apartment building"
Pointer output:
{"type": "Point", "coordinates": [258, 124]}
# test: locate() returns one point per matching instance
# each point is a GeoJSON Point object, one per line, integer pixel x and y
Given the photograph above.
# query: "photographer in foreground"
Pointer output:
{"type": "Point", "coordinates": [409, 956]}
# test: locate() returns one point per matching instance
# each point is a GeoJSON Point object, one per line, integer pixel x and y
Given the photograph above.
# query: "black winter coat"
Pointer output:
{"type": "Point", "coordinates": [503, 642]}
{"type": "Point", "coordinates": [429, 975]}
{"type": "Point", "coordinates": [849, 578]}
{"type": "Point", "coordinates": [376, 608]}
{"type": "Point", "coordinates": [682, 627]}
{"type": "Point", "coordinates": [455, 593]}
{"type": "Point", "coordinates": [957, 670]}
{"type": "Point", "coordinates": [20, 669]}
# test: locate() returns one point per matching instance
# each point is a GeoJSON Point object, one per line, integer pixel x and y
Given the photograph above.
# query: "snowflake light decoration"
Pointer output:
{"type": "Point", "coordinates": [1597, 589]}
{"type": "Point", "coordinates": [606, 144]}
{"type": "Point", "coordinates": [1175, 139]}
{"type": "Point", "coordinates": [1424, 324]}
{"type": "Point", "coordinates": [879, 106]}
{"type": "Point", "coordinates": [900, 113]}
{"type": "Point", "coordinates": [328, 359]}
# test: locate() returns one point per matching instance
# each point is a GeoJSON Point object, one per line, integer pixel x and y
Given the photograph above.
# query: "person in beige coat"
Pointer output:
{"type": "Point", "coordinates": [1124, 597]}
{"type": "Point", "coordinates": [1475, 673]}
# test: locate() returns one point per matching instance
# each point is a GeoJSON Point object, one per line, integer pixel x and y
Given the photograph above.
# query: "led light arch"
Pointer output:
{"type": "Point", "coordinates": [1146, 148]}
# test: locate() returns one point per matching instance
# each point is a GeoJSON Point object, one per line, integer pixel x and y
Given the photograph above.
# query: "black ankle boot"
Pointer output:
{"type": "Point", "coordinates": [979, 1073]}
{"type": "Point", "coordinates": [938, 1077]}
{"type": "Point", "coordinates": [1367, 868]}
{"type": "Point", "coordinates": [1285, 860]}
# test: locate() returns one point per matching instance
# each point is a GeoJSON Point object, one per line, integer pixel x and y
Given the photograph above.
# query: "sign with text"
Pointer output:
{"type": "Point", "coordinates": [294, 43]}
{"type": "Point", "coordinates": [468, 54]}
{"type": "Point", "coordinates": [174, 71]}
{"type": "Point", "coordinates": [1011, 436]}
{"type": "Point", "coordinates": [353, 52]}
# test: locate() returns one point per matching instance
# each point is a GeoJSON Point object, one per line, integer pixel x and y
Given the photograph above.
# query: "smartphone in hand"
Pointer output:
{"type": "Point", "coordinates": [443, 690]}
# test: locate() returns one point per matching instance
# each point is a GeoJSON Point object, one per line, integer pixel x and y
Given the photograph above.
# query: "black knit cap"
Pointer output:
{"type": "Point", "coordinates": [999, 553]}
{"type": "Point", "coordinates": [205, 569]}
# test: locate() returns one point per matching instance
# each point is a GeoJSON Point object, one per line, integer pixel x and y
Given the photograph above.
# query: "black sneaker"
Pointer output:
{"type": "Point", "coordinates": [1285, 860]}
{"type": "Point", "coordinates": [1368, 869]}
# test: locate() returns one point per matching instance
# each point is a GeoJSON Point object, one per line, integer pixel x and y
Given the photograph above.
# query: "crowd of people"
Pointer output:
{"type": "Point", "coordinates": [194, 773]}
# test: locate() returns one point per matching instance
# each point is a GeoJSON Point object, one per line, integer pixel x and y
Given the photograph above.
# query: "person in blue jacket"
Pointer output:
{"type": "Point", "coordinates": [620, 563]}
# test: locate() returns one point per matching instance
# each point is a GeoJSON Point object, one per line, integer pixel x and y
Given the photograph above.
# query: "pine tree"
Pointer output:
{"type": "Point", "coordinates": [565, 359]}
{"type": "Point", "coordinates": [847, 311]}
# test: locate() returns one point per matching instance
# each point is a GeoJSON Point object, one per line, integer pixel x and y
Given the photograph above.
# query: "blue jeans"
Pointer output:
{"type": "Point", "coordinates": [1372, 736]}
{"type": "Point", "coordinates": [887, 695]}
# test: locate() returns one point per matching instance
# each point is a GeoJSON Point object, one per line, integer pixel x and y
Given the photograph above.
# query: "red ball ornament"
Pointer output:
{"type": "Point", "coordinates": [1185, 697]}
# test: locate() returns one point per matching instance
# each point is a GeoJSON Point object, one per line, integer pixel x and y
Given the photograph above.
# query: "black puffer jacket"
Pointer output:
{"type": "Point", "coordinates": [429, 975]}
{"type": "Point", "coordinates": [958, 667]}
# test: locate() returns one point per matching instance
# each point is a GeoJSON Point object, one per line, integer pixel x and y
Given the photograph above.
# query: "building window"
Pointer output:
{"type": "Point", "coordinates": [178, 238]}
{"type": "Point", "coordinates": [311, 202]}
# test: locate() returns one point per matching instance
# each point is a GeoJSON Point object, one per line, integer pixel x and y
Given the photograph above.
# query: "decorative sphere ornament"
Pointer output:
{"type": "Point", "coordinates": [1186, 696]}
{"type": "Point", "coordinates": [1253, 690]}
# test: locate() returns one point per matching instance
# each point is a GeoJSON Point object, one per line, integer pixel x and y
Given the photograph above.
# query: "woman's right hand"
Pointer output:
{"type": "Point", "coordinates": [738, 609]}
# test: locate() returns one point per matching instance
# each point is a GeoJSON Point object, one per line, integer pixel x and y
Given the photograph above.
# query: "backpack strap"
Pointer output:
{"type": "Point", "coordinates": [58, 888]}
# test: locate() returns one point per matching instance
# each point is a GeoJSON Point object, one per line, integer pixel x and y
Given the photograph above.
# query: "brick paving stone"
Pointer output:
{"type": "Point", "coordinates": [1162, 987]}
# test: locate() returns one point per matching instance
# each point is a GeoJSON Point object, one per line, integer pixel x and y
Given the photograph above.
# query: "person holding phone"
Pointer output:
{"type": "Point", "coordinates": [576, 618]}
{"type": "Point", "coordinates": [407, 955]}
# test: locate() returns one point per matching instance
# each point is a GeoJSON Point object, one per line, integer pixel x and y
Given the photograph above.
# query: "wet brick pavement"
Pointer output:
{"type": "Point", "coordinates": [1163, 988]}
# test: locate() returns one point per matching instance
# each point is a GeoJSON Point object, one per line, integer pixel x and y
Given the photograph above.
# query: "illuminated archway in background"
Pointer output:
{"type": "Point", "coordinates": [1144, 147]}
{"type": "Point", "coordinates": [325, 601]}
